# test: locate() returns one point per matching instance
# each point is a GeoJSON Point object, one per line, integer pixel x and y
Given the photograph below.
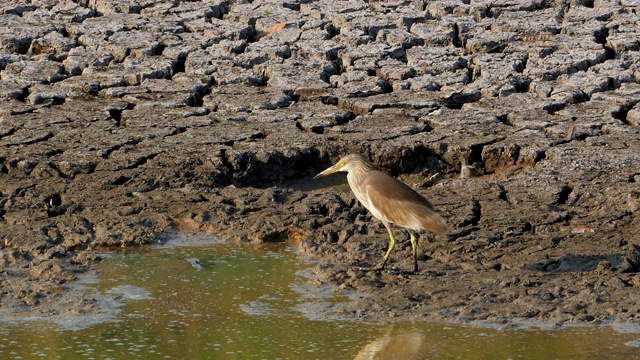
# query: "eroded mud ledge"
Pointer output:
{"type": "Point", "coordinates": [120, 120]}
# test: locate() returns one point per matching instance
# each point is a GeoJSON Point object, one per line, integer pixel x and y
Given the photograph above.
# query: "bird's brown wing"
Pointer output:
{"type": "Point", "coordinates": [397, 203]}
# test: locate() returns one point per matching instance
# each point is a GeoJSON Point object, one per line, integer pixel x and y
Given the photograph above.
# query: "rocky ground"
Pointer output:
{"type": "Point", "coordinates": [519, 120]}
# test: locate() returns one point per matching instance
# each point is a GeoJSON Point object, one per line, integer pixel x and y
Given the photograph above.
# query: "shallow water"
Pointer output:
{"type": "Point", "coordinates": [219, 302]}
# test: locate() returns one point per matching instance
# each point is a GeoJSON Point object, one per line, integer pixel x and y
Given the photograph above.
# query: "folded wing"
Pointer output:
{"type": "Point", "coordinates": [395, 202]}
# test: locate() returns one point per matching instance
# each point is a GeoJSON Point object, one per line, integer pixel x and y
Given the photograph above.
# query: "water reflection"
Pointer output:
{"type": "Point", "coordinates": [218, 302]}
{"type": "Point", "coordinates": [409, 345]}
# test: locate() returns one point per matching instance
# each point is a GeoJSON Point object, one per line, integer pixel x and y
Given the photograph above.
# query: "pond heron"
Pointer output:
{"type": "Point", "coordinates": [390, 200]}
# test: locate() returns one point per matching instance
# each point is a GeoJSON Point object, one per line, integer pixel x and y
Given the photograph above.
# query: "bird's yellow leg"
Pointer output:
{"type": "Point", "coordinates": [414, 249]}
{"type": "Point", "coordinates": [392, 244]}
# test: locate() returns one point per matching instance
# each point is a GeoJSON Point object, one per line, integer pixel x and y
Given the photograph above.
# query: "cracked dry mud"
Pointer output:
{"type": "Point", "coordinates": [122, 119]}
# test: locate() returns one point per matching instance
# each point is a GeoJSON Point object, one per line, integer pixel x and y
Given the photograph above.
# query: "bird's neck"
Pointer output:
{"type": "Point", "coordinates": [356, 179]}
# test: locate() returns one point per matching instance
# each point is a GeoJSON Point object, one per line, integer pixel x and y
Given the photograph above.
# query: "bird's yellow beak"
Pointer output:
{"type": "Point", "coordinates": [334, 169]}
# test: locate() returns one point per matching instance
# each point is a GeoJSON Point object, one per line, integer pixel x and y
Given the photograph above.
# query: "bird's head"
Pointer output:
{"type": "Point", "coordinates": [347, 163]}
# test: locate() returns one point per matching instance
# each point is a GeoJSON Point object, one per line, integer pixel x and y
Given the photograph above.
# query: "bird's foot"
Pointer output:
{"type": "Point", "coordinates": [371, 268]}
{"type": "Point", "coordinates": [396, 271]}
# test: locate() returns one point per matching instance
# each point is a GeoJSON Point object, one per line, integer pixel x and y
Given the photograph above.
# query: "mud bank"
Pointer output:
{"type": "Point", "coordinates": [121, 120]}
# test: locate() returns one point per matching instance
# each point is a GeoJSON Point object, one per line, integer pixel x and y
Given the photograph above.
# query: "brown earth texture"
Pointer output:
{"type": "Point", "coordinates": [518, 119]}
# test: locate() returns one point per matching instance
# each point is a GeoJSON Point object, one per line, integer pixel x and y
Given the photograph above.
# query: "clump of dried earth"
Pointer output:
{"type": "Point", "coordinates": [518, 119]}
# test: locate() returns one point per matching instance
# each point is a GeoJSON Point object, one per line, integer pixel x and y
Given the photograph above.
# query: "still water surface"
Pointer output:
{"type": "Point", "coordinates": [223, 302]}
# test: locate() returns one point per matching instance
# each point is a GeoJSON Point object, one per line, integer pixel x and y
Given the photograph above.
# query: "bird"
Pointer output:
{"type": "Point", "coordinates": [389, 200]}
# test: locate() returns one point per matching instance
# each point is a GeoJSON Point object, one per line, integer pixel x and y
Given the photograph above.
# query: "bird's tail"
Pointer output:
{"type": "Point", "coordinates": [430, 220]}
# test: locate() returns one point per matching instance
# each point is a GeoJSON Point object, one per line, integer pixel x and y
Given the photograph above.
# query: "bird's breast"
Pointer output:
{"type": "Point", "coordinates": [363, 197]}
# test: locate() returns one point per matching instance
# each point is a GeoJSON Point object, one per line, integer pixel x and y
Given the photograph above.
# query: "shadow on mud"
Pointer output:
{"type": "Point", "coordinates": [581, 263]}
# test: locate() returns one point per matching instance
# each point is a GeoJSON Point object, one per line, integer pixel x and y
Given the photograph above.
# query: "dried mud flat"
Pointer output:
{"type": "Point", "coordinates": [120, 120]}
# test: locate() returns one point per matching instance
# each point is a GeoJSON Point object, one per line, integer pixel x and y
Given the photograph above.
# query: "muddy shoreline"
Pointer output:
{"type": "Point", "coordinates": [519, 121]}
